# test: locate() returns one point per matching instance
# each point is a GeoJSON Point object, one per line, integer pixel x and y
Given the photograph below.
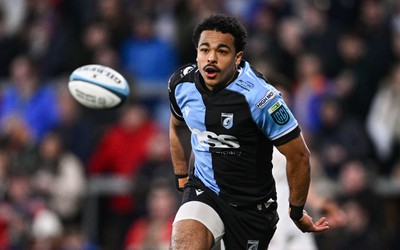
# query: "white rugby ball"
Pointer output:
{"type": "Point", "coordinates": [98, 87]}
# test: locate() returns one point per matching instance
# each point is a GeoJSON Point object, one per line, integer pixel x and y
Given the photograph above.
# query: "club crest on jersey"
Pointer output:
{"type": "Point", "coordinates": [279, 113]}
{"type": "Point", "coordinates": [227, 120]}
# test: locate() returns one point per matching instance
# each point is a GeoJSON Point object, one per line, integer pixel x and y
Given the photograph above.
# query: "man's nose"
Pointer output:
{"type": "Point", "coordinates": [212, 57]}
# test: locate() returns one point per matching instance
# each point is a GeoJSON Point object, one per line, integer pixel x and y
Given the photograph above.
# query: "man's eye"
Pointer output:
{"type": "Point", "coordinates": [223, 52]}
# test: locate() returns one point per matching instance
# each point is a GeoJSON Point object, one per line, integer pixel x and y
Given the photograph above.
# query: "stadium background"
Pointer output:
{"type": "Point", "coordinates": [70, 176]}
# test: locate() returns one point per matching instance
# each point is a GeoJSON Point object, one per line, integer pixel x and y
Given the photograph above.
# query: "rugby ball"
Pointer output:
{"type": "Point", "coordinates": [98, 87]}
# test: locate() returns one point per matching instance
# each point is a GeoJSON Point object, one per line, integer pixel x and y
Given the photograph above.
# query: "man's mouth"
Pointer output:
{"type": "Point", "coordinates": [211, 72]}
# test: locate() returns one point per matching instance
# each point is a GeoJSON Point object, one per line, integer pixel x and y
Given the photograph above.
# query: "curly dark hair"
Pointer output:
{"type": "Point", "coordinates": [224, 24]}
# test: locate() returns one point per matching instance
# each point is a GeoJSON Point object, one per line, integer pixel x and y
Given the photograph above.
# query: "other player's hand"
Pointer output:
{"type": "Point", "coordinates": [305, 224]}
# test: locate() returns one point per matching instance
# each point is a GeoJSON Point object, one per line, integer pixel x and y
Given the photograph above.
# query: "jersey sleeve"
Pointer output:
{"type": "Point", "coordinates": [274, 118]}
{"type": "Point", "coordinates": [173, 81]}
{"type": "Point", "coordinates": [175, 110]}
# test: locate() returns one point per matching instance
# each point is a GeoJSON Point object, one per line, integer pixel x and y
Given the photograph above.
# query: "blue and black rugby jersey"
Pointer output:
{"type": "Point", "coordinates": [233, 131]}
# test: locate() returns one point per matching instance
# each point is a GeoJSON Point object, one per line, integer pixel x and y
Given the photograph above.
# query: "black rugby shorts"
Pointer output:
{"type": "Point", "coordinates": [250, 227]}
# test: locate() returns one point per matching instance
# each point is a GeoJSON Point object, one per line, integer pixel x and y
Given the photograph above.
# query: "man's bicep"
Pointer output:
{"type": "Point", "coordinates": [180, 145]}
{"type": "Point", "coordinates": [175, 122]}
{"type": "Point", "coordinates": [179, 132]}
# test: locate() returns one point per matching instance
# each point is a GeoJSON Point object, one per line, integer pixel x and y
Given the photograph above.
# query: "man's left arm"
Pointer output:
{"type": "Point", "coordinates": [298, 174]}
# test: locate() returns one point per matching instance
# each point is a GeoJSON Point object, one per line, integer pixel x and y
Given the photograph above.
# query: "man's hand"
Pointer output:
{"type": "Point", "coordinates": [305, 224]}
{"type": "Point", "coordinates": [336, 216]}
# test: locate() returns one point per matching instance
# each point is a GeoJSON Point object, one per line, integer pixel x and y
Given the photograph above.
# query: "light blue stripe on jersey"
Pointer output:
{"type": "Point", "coordinates": [261, 97]}
{"type": "Point", "coordinates": [193, 110]}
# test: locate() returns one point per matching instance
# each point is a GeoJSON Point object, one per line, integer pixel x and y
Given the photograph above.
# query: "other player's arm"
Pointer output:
{"type": "Point", "coordinates": [180, 150]}
{"type": "Point", "coordinates": [298, 174]}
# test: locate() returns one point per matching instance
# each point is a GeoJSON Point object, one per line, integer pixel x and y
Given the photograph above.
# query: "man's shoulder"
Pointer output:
{"type": "Point", "coordinates": [183, 74]}
{"type": "Point", "coordinates": [251, 83]}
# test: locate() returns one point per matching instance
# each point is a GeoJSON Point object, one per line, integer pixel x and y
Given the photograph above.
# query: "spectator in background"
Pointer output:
{"type": "Point", "coordinates": [311, 86]}
{"type": "Point", "coordinates": [120, 153]}
{"type": "Point", "coordinates": [337, 136]}
{"type": "Point", "coordinates": [374, 27]}
{"type": "Point", "coordinates": [29, 109]}
{"type": "Point", "coordinates": [363, 208]}
{"type": "Point", "coordinates": [60, 178]}
{"type": "Point", "coordinates": [359, 234]}
{"type": "Point", "coordinates": [153, 230]}
{"type": "Point", "coordinates": [262, 39]}
{"type": "Point", "coordinates": [25, 216]}
{"type": "Point", "coordinates": [383, 121]}
{"type": "Point", "coordinates": [355, 182]}
{"type": "Point", "coordinates": [166, 23]}
{"type": "Point", "coordinates": [188, 14]}
{"type": "Point", "coordinates": [158, 165]}
{"type": "Point", "coordinates": [344, 89]}
{"type": "Point", "coordinates": [320, 35]}
{"type": "Point", "coordinates": [29, 100]}
{"type": "Point", "coordinates": [18, 144]}
{"type": "Point", "coordinates": [114, 14]}
{"type": "Point", "coordinates": [95, 36]}
{"type": "Point", "coordinates": [45, 37]}
{"type": "Point", "coordinates": [290, 46]}
{"type": "Point", "coordinates": [351, 52]}
{"type": "Point", "coordinates": [148, 59]}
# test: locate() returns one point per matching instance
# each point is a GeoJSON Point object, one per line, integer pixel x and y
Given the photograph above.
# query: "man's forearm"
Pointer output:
{"type": "Point", "coordinates": [298, 174]}
{"type": "Point", "coordinates": [297, 169]}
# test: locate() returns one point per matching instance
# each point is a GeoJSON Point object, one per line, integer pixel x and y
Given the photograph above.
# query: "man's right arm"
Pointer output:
{"type": "Point", "coordinates": [180, 149]}
{"type": "Point", "coordinates": [298, 175]}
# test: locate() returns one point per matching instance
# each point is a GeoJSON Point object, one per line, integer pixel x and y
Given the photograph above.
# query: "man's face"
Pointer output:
{"type": "Point", "coordinates": [217, 58]}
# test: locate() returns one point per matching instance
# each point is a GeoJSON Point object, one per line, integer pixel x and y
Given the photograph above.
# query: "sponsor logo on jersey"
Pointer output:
{"type": "Point", "coordinates": [252, 244]}
{"type": "Point", "coordinates": [279, 113]}
{"type": "Point", "coordinates": [212, 140]}
{"type": "Point", "coordinates": [187, 110]}
{"type": "Point", "coordinates": [227, 120]}
{"type": "Point", "coordinates": [245, 84]}
{"type": "Point", "coordinates": [226, 152]}
{"type": "Point", "coordinates": [199, 191]}
{"type": "Point", "coordinates": [186, 70]}
{"type": "Point", "coordinates": [268, 96]}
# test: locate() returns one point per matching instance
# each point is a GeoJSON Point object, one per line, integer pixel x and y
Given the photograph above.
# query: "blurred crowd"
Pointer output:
{"type": "Point", "coordinates": [72, 178]}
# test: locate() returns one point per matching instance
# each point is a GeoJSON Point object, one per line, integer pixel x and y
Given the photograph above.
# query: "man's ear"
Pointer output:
{"type": "Point", "coordinates": [239, 57]}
